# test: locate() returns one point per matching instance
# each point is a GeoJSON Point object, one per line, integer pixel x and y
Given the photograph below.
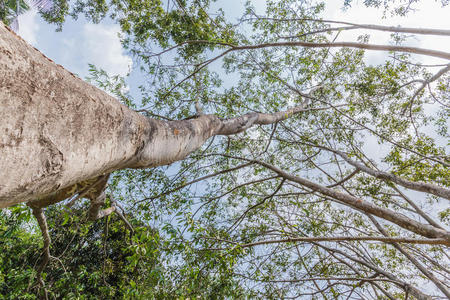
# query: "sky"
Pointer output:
{"type": "Point", "coordinates": [79, 44]}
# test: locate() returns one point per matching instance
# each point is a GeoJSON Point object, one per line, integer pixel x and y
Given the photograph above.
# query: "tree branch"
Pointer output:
{"type": "Point", "coordinates": [412, 30]}
{"type": "Point", "coordinates": [376, 47]}
{"type": "Point", "coordinates": [424, 84]}
{"type": "Point", "coordinates": [42, 221]}
{"type": "Point", "coordinates": [358, 203]}
{"type": "Point", "coordinates": [406, 286]}
{"type": "Point", "coordinates": [341, 239]}
{"type": "Point", "coordinates": [242, 123]}
{"type": "Point", "coordinates": [416, 263]}
{"type": "Point", "coordinates": [417, 186]}
{"type": "Point", "coordinates": [196, 180]}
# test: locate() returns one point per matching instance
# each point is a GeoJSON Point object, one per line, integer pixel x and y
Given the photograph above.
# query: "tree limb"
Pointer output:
{"type": "Point", "coordinates": [416, 263]}
{"type": "Point", "coordinates": [383, 239]}
{"type": "Point", "coordinates": [417, 186]}
{"type": "Point", "coordinates": [358, 203]}
{"type": "Point", "coordinates": [42, 221]}
{"type": "Point", "coordinates": [412, 30]}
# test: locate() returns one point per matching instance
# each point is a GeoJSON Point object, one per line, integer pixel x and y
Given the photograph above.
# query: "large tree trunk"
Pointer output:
{"type": "Point", "coordinates": [57, 130]}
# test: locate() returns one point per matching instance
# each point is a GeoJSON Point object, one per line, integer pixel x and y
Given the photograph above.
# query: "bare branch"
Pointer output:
{"type": "Point", "coordinates": [360, 204]}
{"type": "Point", "coordinates": [424, 84]}
{"type": "Point", "coordinates": [375, 47]}
{"type": "Point", "coordinates": [95, 212]}
{"type": "Point", "coordinates": [42, 221]}
{"type": "Point", "coordinates": [256, 205]}
{"type": "Point", "coordinates": [416, 263]}
{"type": "Point", "coordinates": [197, 180]}
{"type": "Point", "coordinates": [341, 239]}
{"type": "Point", "coordinates": [417, 186]}
{"type": "Point", "coordinates": [407, 287]}
{"type": "Point", "coordinates": [412, 30]}
{"type": "Point", "coordinates": [417, 209]}
{"type": "Point", "coordinates": [344, 179]}
{"type": "Point", "coordinates": [242, 123]}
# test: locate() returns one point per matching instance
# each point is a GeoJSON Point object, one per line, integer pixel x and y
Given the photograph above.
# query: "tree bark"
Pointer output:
{"type": "Point", "coordinates": [57, 130]}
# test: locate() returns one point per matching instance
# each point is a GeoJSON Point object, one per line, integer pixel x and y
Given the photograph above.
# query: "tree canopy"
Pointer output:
{"type": "Point", "coordinates": [344, 197]}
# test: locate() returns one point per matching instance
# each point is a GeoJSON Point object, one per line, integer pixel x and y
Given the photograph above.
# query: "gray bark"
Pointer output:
{"type": "Point", "coordinates": [55, 129]}
{"type": "Point", "coordinates": [57, 132]}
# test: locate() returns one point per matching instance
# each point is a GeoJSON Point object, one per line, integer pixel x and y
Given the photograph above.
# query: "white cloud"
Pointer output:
{"type": "Point", "coordinates": [97, 44]}
{"type": "Point", "coordinates": [100, 45]}
{"type": "Point", "coordinates": [78, 45]}
{"type": "Point", "coordinates": [28, 26]}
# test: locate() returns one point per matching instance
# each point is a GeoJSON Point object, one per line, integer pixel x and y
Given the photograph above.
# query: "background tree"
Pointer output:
{"type": "Point", "coordinates": [302, 207]}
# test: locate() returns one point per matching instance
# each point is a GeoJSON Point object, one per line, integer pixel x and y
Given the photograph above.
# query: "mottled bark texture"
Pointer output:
{"type": "Point", "coordinates": [57, 131]}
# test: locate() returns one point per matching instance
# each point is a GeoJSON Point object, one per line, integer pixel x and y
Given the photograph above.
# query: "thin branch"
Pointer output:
{"type": "Point", "coordinates": [342, 239]}
{"type": "Point", "coordinates": [232, 190]}
{"type": "Point", "coordinates": [257, 204]}
{"type": "Point", "coordinates": [416, 263]}
{"type": "Point", "coordinates": [344, 179]}
{"type": "Point", "coordinates": [417, 209]}
{"type": "Point", "coordinates": [407, 287]}
{"type": "Point", "coordinates": [121, 213]}
{"type": "Point", "coordinates": [424, 84]}
{"type": "Point", "coordinates": [358, 203]}
{"type": "Point", "coordinates": [412, 30]}
{"type": "Point", "coordinates": [95, 212]}
{"type": "Point", "coordinates": [42, 221]}
{"type": "Point", "coordinates": [362, 279]}
{"type": "Point", "coordinates": [195, 180]}
{"type": "Point", "coordinates": [342, 28]}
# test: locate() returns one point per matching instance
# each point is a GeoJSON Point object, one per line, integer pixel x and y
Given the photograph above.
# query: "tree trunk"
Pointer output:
{"type": "Point", "coordinates": [57, 130]}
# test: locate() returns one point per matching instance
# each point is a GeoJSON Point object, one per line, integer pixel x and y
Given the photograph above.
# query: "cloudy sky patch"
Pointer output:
{"type": "Point", "coordinates": [97, 44]}
{"type": "Point", "coordinates": [29, 26]}
{"type": "Point", "coordinates": [79, 44]}
{"type": "Point", "coordinates": [102, 47]}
